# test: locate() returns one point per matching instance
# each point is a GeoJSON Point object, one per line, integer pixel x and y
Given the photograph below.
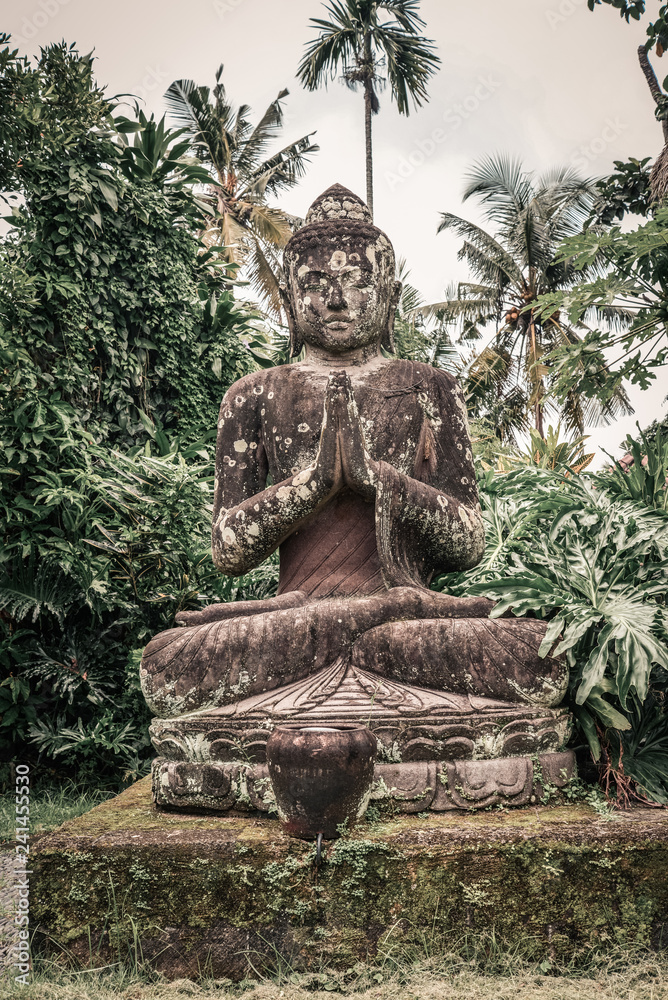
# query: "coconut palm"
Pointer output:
{"type": "Point", "coordinates": [243, 176]}
{"type": "Point", "coordinates": [369, 52]}
{"type": "Point", "coordinates": [510, 377]}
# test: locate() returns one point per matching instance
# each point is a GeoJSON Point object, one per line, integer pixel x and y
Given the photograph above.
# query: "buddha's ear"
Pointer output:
{"type": "Point", "coordinates": [296, 342]}
{"type": "Point", "coordinates": [396, 294]}
{"type": "Point", "coordinates": [387, 340]}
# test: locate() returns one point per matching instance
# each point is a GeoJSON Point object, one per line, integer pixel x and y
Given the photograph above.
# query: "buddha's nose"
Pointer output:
{"type": "Point", "coordinates": [335, 299]}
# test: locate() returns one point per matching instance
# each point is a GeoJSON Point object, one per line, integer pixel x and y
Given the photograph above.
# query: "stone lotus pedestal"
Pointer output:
{"type": "Point", "coordinates": [436, 751]}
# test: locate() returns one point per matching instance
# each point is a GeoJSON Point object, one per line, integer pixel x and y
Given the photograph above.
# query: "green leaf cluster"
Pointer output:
{"type": "Point", "coordinates": [631, 292]}
{"type": "Point", "coordinates": [592, 562]}
{"type": "Point", "coordinates": [627, 8]}
{"type": "Point", "coordinates": [626, 190]}
{"type": "Point", "coordinates": [119, 334]}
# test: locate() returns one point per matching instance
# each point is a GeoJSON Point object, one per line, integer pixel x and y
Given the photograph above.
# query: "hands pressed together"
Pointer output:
{"type": "Point", "coordinates": [343, 460]}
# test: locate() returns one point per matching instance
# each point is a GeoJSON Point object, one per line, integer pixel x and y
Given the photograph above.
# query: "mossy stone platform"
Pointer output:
{"type": "Point", "coordinates": [222, 894]}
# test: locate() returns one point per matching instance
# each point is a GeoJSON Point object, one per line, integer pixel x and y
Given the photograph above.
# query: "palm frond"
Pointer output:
{"type": "Point", "coordinates": [410, 62]}
{"type": "Point", "coordinates": [484, 243]}
{"type": "Point", "coordinates": [29, 587]}
{"type": "Point", "coordinates": [337, 40]}
{"type": "Point", "coordinates": [476, 310]}
{"type": "Point", "coordinates": [257, 142]}
{"type": "Point", "coordinates": [262, 276]}
{"type": "Point", "coordinates": [232, 235]}
{"type": "Point", "coordinates": [190, 107]}
{"type": "Point", "coordinates": [503, 186]}
{"type": "Point", "coordinates": [529, 241]}
{"type": "Point", "coordinates": [487, 270]}
{"type": "Point", "coordinates": [281, 171]}
{"type": "Point", "coordinates": [565, 201]}
{"type": "Point", "coordinates": [411, 299]}
{"type": "Point", "coordinates": [239, 134]}
{"type": "Point", "coordinates": [444, 354]}
{"type": "Point", "coordinates": [269, 224]}
{"type": "Point", "coordinates": [405, 12]}
{"type": "Point", "coordinates": [491, 369]}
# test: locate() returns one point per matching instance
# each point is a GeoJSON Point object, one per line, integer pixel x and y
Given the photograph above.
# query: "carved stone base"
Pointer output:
{"type": "Point", "coordinates": [503, 731]}
{"type": "Point", "coordinates": [412, 786]}
{"type": "Point", "coordinates": [436, 750]}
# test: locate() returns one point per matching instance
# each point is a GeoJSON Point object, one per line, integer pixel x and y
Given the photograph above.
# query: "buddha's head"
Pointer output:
{"type": "Point", "coordinates": [341, 292]}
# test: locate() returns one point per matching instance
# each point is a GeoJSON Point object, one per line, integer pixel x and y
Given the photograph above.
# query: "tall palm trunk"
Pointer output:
{"type": "Point", "coordinates": [538, 408]}
{"type": "Point", "coordinates": [367, 139]}
{"type": "Point", "coordinates": [539, 417]}
{"type": "Point", "coordinates": [368, 111]}
{"type": "Point", "coordinates": [658, 181]}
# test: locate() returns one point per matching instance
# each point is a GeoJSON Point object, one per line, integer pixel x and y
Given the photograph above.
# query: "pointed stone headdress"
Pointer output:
{"type": "Point", "coordinates": [337, 202]}
{"type": "Point", "coordinates": [335, 214]}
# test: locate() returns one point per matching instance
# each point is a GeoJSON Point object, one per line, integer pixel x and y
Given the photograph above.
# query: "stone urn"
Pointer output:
{"type": "Point", "coordinates": [321, 777]}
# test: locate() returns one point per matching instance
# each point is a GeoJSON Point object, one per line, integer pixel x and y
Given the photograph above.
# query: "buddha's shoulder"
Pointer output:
{"type": "Point", "coordinates": [256, 383]}
{"type": "Point", "coordinates": [420, 376]}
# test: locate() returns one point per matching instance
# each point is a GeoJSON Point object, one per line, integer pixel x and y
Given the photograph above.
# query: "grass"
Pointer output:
{"type": "Point", "coordinates": [474, 968]}
{"type": "Point", "coordinates": [49, 807]}
{"type": "Point", "coordinates": [479, 969]}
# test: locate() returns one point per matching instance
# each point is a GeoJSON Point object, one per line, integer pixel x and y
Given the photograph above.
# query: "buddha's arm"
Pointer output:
{"type": "Point", "coordinates": [430, 521]}
{"type": "Point", "coordinates": [436, 532]}
{"type": "Point", "coordinates": [250, 519]}
{"type": "Point", "coordinates": [434, 515]}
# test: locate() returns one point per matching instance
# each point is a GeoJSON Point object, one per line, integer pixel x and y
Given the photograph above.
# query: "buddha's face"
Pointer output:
{"type": "Point", "coordinates": [342, 296]}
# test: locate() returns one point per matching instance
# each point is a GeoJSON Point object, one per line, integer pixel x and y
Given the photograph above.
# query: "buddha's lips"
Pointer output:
{"type": "Point", "coordinates": [338, 322]}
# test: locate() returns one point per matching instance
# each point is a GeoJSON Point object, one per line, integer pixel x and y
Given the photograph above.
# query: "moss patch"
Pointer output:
{"type": "Point", "coordinates": [213, 893]}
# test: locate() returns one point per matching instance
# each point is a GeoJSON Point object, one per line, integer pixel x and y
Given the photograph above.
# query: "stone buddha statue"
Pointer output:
{"type": "Point", "coordinates": [358, 468]}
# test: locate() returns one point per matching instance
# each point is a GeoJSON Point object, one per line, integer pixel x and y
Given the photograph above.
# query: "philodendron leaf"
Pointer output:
{"type": "Point", "coordinates": [554, 630]}
{"type": "Point", "coordinates": [588, 726]}
{"type": "Point", "coordinates": [636, 651]}
{"type": "Point", "coordinates": [575, 630]}
{"type": "Point", "coordinates": [606, 713]}
{"type": "Point", "coordinates": [594, 669]}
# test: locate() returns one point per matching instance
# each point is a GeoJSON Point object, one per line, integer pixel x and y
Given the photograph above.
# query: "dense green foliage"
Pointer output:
{"type": "Point", "coordinates": [590, 555]}
{"type": "Point", "coordinates": [633, 280]}
{"type": "Point", "coordinates": [118, 338]}
{"type": "Point", "coordinates": [105, 301]}
{"type": "Point", "coordinates": [625, 191]}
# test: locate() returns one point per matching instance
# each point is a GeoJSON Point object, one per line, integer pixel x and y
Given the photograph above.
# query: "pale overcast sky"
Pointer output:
{"type": "Point", "coordinates": [544, 80]}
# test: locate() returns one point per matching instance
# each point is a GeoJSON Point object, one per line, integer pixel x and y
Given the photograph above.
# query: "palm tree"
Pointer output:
{"type": "Point", "coordinates": [240, 221]}
{"type": "Point", "coordinates": [369, 52]}
{"type": "Point", "coordinates": [510, 378]}
{"type": "Point", "coordinates": [414, 338]}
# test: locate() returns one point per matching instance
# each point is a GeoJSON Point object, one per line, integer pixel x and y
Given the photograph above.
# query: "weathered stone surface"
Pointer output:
{"type": "Point", "coordinates": [410, 786]}
{"type": "Point", "coordinates": [208, 893]}
{"type": "Point", "coordinates": [477, 734]}
{"type": "Point", "coordinates": [359, 469]}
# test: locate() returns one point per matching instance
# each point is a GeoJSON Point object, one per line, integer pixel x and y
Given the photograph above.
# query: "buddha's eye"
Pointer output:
{"type": "Point", "coordinates": [355, 279]}
{"type": "Point", "coordinates": [310, 281]}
